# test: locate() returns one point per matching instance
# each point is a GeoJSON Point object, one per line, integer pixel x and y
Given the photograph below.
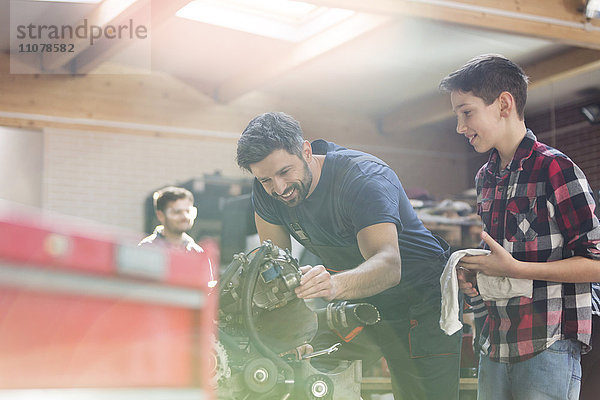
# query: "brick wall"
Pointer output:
{"type": "Point", "coordinates": [569, 131]}
{"type": "Point", "coordinates": [106, 177]}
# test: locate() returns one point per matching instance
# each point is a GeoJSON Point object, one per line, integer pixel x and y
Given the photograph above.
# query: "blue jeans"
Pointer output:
{"type": "Point", "coordinates": [555, 373]}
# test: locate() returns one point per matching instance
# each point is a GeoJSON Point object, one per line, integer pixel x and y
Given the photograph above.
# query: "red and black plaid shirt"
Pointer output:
{"type": "Point", "coordinates": [540, 208]}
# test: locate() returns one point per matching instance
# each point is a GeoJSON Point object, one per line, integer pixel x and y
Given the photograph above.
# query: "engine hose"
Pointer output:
{"type": "Point", "coordinates": [230, 271]}
{"type": "Point", "coordinates": [252, 271]}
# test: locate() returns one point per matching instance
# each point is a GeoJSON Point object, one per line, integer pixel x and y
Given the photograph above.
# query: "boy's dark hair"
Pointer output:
{"type": "Point", "coordinates": [170, 193]}
{"type": "Point", "coordinates": [488, 75]}
{"type": "Point", "coordinates": [266, 133]}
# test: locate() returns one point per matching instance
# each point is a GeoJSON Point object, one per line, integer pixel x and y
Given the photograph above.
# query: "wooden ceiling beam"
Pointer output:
{"type": "Point", "coordinates": [436, 107]}
{"type": "Point", "coordinates": [300, 54]}
{"type": "Point", "coordinates": [561, 66]}
{"type": "Point", "coordinates": [561, 21]}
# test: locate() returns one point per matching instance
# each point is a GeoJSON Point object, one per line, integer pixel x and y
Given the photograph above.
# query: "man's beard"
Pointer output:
{"type": "Point", "coordinates": [175, 227]}
{"type": "Point", "coordinates": [301, 188]}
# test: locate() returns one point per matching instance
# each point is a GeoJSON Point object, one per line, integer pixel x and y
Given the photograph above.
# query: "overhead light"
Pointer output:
{"type": "Point", "coordinates": [592, 113]}
{"type": "Point", "coordinates": [592, 9]}
{"type": "Point", "coordinates": [288, 20]}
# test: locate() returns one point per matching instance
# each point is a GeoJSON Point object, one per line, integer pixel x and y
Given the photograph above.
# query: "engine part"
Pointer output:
{"type": "Point", "coordinates": [341, 383]}
{"type": "Point", "coordinates": [319, 387]}
{"type": "Point", "coordinates": [220, 370]}
{"type": "Point", "coordinates": [347, 319]}
{"type": "Point", "coordinates": [261, 318]}
{"type": "Point", "coordinates": [287, 327]}
{"type": "Point", "coordinates": [260, 375]}
{"type": "Point", "coordinates": [279, 275]}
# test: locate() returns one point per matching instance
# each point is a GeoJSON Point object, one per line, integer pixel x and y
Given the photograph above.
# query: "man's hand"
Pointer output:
{"type": "Point", "coordinates": [316, 282]}
{"type": "Point", "coordinates": [498, 263]}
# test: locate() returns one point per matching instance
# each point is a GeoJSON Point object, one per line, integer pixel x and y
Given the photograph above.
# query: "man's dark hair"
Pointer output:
{"type": "Point", "coordinates": [487, 76]}
{"type": "Point", "coordinates": [266, 133]}
{"type": "Point", "coordinates": [165, 195]}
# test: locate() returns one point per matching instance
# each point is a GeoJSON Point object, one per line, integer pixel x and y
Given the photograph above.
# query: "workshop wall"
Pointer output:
{"type": "Point", "coordinates": [109, 140]}
{"type": "Point", "coordinates": [21, 166]}
{"type": "Point", "coordinates": [106, 176]}
{"type": "Point", "coordinates": [568, 130]}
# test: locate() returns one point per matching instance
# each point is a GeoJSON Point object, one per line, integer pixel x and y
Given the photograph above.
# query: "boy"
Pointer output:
{"type": "Point", "coordinates": [538, 215]}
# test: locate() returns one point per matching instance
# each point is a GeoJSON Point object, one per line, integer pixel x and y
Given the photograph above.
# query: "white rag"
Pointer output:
{"type": "Point", "coordinates": [490, 288]}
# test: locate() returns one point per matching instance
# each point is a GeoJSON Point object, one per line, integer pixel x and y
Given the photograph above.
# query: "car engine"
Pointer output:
{"type": "Point", "coordinates": [262, 325]}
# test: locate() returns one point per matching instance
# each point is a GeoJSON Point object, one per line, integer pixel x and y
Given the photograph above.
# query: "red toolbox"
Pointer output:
{"type": "Point", "coordinates": [91, 315]}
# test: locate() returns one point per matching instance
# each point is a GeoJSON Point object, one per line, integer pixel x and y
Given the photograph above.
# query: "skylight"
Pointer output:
{"type": "Point", "coordinates": [72, 1]}
{"type": "Point", "coordinates": [288, 20]}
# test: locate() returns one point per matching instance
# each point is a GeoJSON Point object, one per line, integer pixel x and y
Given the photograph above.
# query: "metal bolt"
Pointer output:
{"type": "Point", "coordinates": [261, 375]}
{"type": "Point", "coordinates": [319, 389]}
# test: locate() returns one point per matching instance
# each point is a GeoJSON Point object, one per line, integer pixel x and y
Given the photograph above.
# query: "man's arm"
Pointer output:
{"type": "Point", "coordinates": [275, 233]}
{"type": "Point", "coordinates": [378, 245]}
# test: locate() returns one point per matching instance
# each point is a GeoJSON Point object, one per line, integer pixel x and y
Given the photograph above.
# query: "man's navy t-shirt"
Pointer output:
{"type": "Point", "coordinates": [350, 196]}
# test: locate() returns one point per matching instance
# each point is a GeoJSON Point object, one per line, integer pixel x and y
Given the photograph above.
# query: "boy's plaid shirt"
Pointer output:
{"type": "Point", "coordinates": [540, 208]}
{"type": "Point", "coordinates": [596, 299]}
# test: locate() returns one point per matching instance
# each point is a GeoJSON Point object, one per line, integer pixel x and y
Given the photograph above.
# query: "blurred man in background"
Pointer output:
{"type": "Point", "coordinates": [174, 208]}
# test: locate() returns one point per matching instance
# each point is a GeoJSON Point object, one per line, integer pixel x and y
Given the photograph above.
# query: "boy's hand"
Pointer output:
{"type": "Point", "coordinates": [498, 263]}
